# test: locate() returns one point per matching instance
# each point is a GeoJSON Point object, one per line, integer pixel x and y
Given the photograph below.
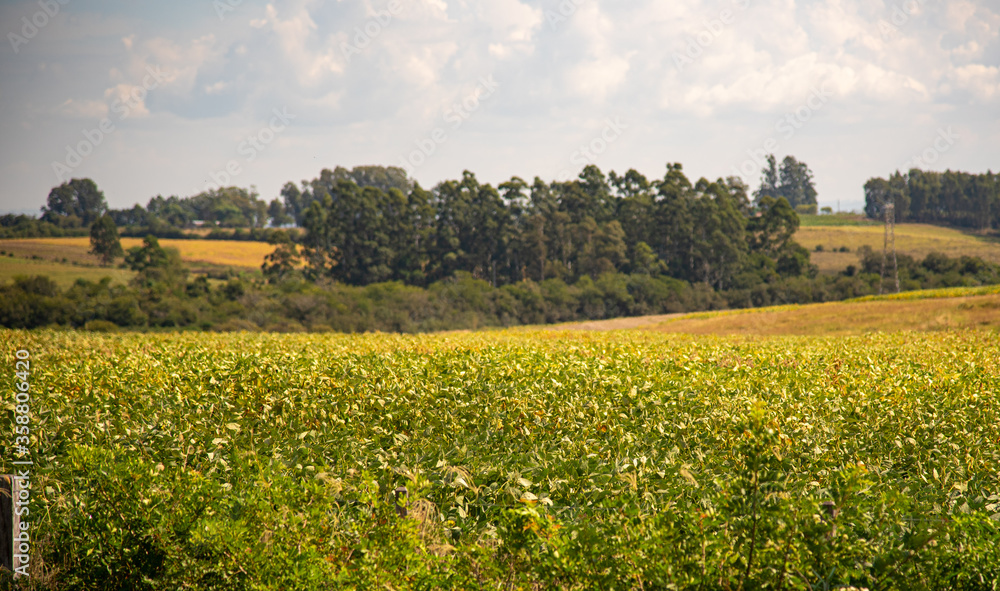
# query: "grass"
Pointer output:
{"type": "Point", "coordinates": [64, 274]}
{"type": "Point", "coordinates": [916, 240]}
{"type": "Point", "coordinates": [225, 253]}
{"type": "Point", "coordinates": [836, 219]}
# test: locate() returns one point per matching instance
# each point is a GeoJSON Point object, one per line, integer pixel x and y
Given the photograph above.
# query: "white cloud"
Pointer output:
{"type": "Point", "coordinates": [608, 57]}
{"type": "Point", "coordinates": [84, 109]}
{"type": "Point", "coordinates": [313, 60]}
{"type": "Point", "coordinates": [512, 20]}
{"type": "Point", "coordinates": [958, 13]}
{"type": "Point", "coordinates": [131, 96]}
{"type": "Point", "coordinates": [982, 81]}
{"type": "Point", "coordinates": [597, 77]}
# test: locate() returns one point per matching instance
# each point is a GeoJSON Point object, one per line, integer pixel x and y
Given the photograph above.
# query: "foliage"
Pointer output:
{"type": "Point", "coordinates": [75, 203]}
{"type": "Point", "coordinates": [949, 198]}
{"type": "Point", "coordinates": [281, 265]}
{"type": "Point", "coordinates": [149, 255]}
{"type": "Point", "coordinates": [592, 226]}
{"type": "Point", "coordinates": [530, 460]}
{"type": "Point", "coordinates": [793, 181]}
{"type": "Point", "coordinates": [104, 240]}
{"type": "Point", "coordinates": [226, 207]}
{"type": "Point", "coordinates": [161, 295]}
{"type": "Point", "coordinates": [24, 226]}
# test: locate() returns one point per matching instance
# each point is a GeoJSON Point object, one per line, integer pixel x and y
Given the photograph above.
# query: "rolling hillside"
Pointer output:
{"type": "Point", "coordinates": [916, 240]}
{"type": "Point", "coordinates": [67, 259]}
{"type": "Point", "coordinates": [230, 253]}
{"type": "Point", "coordinates": [931, 310]}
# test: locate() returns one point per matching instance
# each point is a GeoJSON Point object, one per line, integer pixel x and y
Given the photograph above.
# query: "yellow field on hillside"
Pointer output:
{"type": "Point", "coordinates": [926, 310]}
{"type": "Point", "coordinates": [64, 274]}
{"type": "Point", "coordinates": [846, 318]}
{"type": "Point", "coordinates": [230, 253]}
{"type": "Point", "coordinates": [916, 240]}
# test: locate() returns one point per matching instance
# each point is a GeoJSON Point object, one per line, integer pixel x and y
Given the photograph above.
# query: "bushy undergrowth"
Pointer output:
{"type": "Point", "coordinates": [164, 297]}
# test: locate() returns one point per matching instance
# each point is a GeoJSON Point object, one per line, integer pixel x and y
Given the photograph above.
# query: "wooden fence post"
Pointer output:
{"type": "Point", "coordinates": [400, 495]}
{"type": "Point", "coordinates": [7, 519]}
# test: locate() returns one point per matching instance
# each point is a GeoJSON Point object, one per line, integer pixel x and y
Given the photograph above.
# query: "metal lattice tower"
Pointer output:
{"type": "Point", "coordinates": [889, 209]}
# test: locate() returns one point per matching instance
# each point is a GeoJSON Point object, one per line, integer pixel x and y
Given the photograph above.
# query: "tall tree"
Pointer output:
{"type": "Point", "coordinates": [772, 226]}
{"type": "Point", "coordinates": [295, 204]}
{"type": "Point", "coordinates": [75, 203]}
{"type": "Point", "coordinates": [675, 222]}
{"type": "Point", "coordinates": [797, 183]}
{"type": "Point", "coordinates": [635, 209]}
{"type": "Point", "coordinates": [104, 240]}
{"type": "Point", "coordinates": [276, 211]}
{"type": "Point", "coordinates": [769, 182]}
{"type": "Point", "coordinates": [720, 244]}
{"type": "Point", "coordinates": [415, 238]}
{"type": "Point", "coordinates": [518, 205]}
{"type": "Point", "coordinates": [282, 263]}
{"type": "Point", "coordinates": [793, 180]}
{"type": "Point", "coordinates": [380, 177]}
{"type": "Point", "coordinates": [319, 246]}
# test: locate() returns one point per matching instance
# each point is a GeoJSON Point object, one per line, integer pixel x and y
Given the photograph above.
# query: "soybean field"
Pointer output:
{"type": "Point", "coordinates": [518, 459]}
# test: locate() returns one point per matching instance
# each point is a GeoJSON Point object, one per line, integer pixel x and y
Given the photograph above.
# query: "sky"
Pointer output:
{"type": "Point", "coordinates": [171, 98]}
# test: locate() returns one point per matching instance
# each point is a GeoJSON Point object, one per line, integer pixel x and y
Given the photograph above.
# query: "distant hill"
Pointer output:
{"type": "Point", "coordinates": [930, 310]}
{"type": "Point", "coordinates": [916, 240]}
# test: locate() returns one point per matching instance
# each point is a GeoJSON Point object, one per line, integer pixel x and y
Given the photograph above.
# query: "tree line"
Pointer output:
{"type": "Point", "coordinates": [376, 251]}
{"type": "Point", "coordinates": [945, 198]}
{"type": "Point", "coordinates": [163, 296]}
{"type": "Point", "coordinates": [699, 232]}
{"type": "Point", "coordinates": [374, 224]}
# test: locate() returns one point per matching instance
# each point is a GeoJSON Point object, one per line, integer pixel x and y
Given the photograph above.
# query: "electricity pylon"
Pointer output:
{"type": "Point", "coordinates": [889, 210]}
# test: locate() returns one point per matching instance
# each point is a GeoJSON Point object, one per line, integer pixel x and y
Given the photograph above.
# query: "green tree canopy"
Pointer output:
{"type": "Point", "coordinates": [76, 203]}
{"type": "Point", "coordinates": [149, 255]}
{"type": "Point", "coordinates": [793, 180]}
{"type": "Point", "coordinates": [104, 241]}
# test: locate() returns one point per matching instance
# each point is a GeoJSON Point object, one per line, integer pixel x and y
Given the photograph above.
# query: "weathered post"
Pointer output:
{"type": "Point", "coordinates": [400, 495]}
{"type": "Point", "coordinates": [7, 519]}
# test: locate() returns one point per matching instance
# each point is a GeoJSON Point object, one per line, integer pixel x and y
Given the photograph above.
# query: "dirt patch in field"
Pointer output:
{"type": "Point", "coordinates": [617, 323]}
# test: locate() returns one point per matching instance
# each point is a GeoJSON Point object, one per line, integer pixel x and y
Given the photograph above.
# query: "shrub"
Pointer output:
{"type": "Point", "coordinates": [100, 326]}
